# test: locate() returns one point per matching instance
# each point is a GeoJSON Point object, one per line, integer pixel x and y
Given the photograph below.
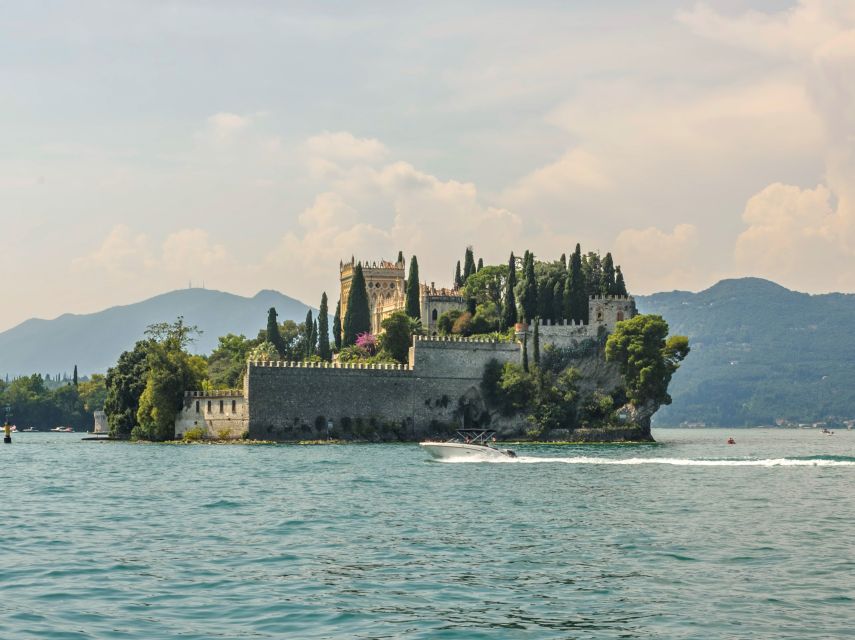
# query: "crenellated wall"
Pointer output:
{"type": "Point", "coordinates": [222, 413]}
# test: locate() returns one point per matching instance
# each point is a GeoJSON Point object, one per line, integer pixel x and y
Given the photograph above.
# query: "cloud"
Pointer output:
{"type": "Point", "coordinates": [660, 260]}
{"type": "Point", "coordinates": [224, 126]}
{"type": "Point", "coordinates": [577, 169]}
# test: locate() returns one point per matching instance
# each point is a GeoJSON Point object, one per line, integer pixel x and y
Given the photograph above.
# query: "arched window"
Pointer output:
{"type": "Point", "coordinates": [234, 406]}
{"type": "Point", "coordinates": [619, 316]}
{"type": "Point", "coordinates": [434, 315]}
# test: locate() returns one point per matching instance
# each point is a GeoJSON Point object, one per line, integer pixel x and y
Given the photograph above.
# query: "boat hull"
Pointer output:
{"type": "Point", "coordinates": [461, 451]}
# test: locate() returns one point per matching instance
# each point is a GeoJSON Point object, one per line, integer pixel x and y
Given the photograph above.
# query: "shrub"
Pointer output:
{"type": "Point", "coordinates": [194, 434]}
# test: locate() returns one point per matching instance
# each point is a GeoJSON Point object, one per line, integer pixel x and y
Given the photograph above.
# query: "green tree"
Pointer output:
{"type": "Point", "coordinates": [398, 335]}
{"type": "Point", "coordinates": [324, 330]}
{"type": "Point", "coordinates": [558, 299]}
{"type": "Point", "coordinates": [458, 279]}
{"type": "Point", "coordinates": [400, 258]}
{"type": "Point", "coordinates": [468, 264]}
{"type": "Point", "coordinates": [170, 372]}
{"type": "Point", "coordinates": [509, 303]}
{"type": "Point", "coordinates": [607, 278]}
{"type": "Point", "coordinates": [309, 329]}
{"type": "Point", "coordinates": [337, 326]}
{"type": "Point", "coordinates": [620, 285]}
{"type": "Point", "coordinates": [445, 322]}
{"type": "Point", "coordinates": [413, 305]}
{"type": "Point", "coordinates": [647, 357]}
{"type": "Point", "coordinates": [536, 342]}
{"type": "Point", "coordinates": [262, 352]}
{"type": "Point", "coordinates": [357, 319]}
{"type": "Point", "coordinates": [576, 294]}
{"type": "Point", "coordinates": [528, 299]}
{"type": "Point", "coordinates": [480, 264]}
{"type": "Point", "coordinates": [273, 332]}
{"type": "Point", "coordinates": [227, 362]}
{"type": "Point", "coordinates": [93, 392]}
{"type": "Point", "coordinates": [74, 377]}
{"type": "Point", "coordinates": [125, 384]}
{"type": "Point", "coordinates": [592, 268]}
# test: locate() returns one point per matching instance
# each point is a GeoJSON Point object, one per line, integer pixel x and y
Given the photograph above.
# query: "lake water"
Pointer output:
{"type": "Point", "coordinates": [688, 538]}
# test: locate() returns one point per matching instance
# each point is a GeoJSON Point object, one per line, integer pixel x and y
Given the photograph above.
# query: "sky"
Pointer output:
{"type": "Point", "coordinates": [147, 145]}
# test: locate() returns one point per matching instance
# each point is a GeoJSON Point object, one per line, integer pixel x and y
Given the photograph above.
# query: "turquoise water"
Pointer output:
{"type": "Point", "coordinates": [689, 538]}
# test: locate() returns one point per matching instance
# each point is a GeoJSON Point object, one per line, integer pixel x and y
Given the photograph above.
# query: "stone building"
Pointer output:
{"type": "Point", "coordinates": [439, 387]}
{"type": "Point", "coordinates": [385, 285]}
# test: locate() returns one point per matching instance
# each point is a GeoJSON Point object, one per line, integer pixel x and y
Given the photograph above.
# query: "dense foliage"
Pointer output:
{"type": "Point", "coordinates": [357, 318]}
{"type": "Point", "coordinates": [647, 357]}
{"type": "Point", "coordinates": [44, 402]}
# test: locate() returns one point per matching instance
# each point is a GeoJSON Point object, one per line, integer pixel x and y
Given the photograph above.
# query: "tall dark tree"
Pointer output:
{"type": "Point", "coordinates": [529, 297]}
{"type": "Point", "coordinates": [357, 318]}
{"type": "Point", "coordinates": [592, 267]}
{"type": "Point", "coordinates": [620, 285]}
{"type": "Point", "coordinates": [525, 353]}
{"type": "Point", "coordinates": [480, 263]}
{"type": "Point", "coordinates": [313, 342]}
{"type": "Point", "coordinates": [607, 277]}
{"type": "Point", "coordinates": [324, 329]}
{"type": "Point", "coordinates": [545, 290]}
{"type": "Point", "coordinates": [308, 330]}
{"type": "Point", "coordinates": [576, 293]}
{"type": "Point", "coordinates": [535, 342]}
{"type": "Point", "coordinates": [125, 384]}
{"type": "Point", "coordinates": [558, 299]}
{"type": "Point", "coordinates": [468, 264]}
{"type": "Point", "coordinates": [336, 327]}
{"type": "Point", "coordinates": [563, 261]}
{"type": "Point", "coordinates": [273, 335]}
{"type": "Point", "coordinates": [74, 376]}
{"type": "Point", "coordinates": [400, 257]}
{"type": "Point", "coordinates": [458, 279]}
{"type": "Point", "coordinates": [413, 306]}
{"type": "Point", "coordinates": [509, 304]}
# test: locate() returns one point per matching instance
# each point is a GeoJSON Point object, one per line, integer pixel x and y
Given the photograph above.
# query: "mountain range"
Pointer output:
{"type": "Point", "coordinates": [94, 341]}
{"type": "Point", "coordinates": [760, 353]}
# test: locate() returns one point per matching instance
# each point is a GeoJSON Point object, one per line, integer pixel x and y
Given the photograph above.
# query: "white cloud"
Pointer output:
{"type": "Point", "coordinates": [656, 260]}
{"type": "Point", "coordinates": [223, 126]}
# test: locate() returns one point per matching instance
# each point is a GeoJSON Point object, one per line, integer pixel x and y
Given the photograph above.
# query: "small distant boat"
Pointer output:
{"type": "Point", "coordinates": [827, 432]}
{"type": "Point", "coordinates": [28, 430]}
{"type": "Point", "coordinates": [62, 429]}
{"type": "Point", "coordinates": [731, 441]}
{"type": "Point", "coordinates": [470, 444]}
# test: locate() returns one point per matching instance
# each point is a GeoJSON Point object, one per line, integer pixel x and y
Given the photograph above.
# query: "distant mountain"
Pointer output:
{"type": "Point", "coordinates": [94, 341]}
{"type": "Point", "coordinates": [759, 352]}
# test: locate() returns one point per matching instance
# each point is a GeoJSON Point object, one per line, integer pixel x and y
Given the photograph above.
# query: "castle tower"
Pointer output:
{"type": "Point", "coordinates": [384, 283]}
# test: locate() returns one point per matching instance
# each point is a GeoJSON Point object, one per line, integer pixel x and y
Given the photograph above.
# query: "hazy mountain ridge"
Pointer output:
{"type": "Point", "coordinates": [94, 341]}
{"type": "Point", "coordinates": [759, 352]}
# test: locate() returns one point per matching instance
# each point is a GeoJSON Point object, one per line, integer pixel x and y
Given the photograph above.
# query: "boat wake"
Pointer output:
{"type": "Point", "coordinates": [817, 461]}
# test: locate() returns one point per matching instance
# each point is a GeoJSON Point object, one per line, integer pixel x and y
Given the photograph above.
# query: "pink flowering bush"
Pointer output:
{"type": "Point", "coordinates": [367, 342]}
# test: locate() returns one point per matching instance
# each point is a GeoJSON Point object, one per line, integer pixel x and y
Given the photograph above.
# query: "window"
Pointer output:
{"type": "Point", "coordinates": [234, 406]}
{"type": "Point", "coordinates": [209, 406]}
{"type": "Point", "coordinates": [434, 315]}
{"type": "Point", "coordinates": [620, 315]}
{"type": "Point", "coordinates": [197, 406]}
{"type": "Point", "coordinates": [221, 406]}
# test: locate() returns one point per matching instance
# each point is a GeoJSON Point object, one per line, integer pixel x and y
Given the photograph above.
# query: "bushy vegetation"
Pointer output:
{"type": "Point", "coordinates": [48, 401]}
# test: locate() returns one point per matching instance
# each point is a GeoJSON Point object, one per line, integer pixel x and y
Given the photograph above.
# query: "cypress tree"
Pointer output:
{"type": "Point", "coordinates": [480, 263]}
{"type": "Point", "coordinates": [458, 279]}
{"type": "Point", "coordinates": [413, 306]}
{"type": "Point", "coordinates": [468, 264]}
{"type": "Point", "coordinates": [336, 327]}
{"type": "Point", "coordinates": [74, 378]}
{"type": "Point", "coordinates": [544, 298]}
{"type": "Point", "coordinates": [536, 342]}
{"type": "Point", "coordinates": [620, 285]}
{"type": "Point", "coordinates": [324, 329]}
{"type": "Point", "coordinates": [563, 260]}
{"type": "Point", "coordinates": [273, 335]}
{"type": "Point", "coordinates": [308, 329]}
{"type": "Point", "coordinates": [593, 269]}
{"type": "Point", "coordinates": [313, 342]}
{"type": "Point", "coordinates": [525, 353]}
{"type": "Point", "coordinates": [558, 300]}
{"type": "Point", "coordinates": [509, 304]}
{"type": "Point", "coordinates": [400, 257]}
{"type": "Point", "coordinates": [357, 319]}
{"type": "Point", "coordinates": [577, 295]}
{"type": "Point", "coordinates": [607, 278]}
{"type": "Point", "coordinates": [528, 301]}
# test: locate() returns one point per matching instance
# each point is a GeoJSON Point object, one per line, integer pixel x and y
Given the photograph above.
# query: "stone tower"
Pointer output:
{"type": "Point", "coordinates": [384, 283]}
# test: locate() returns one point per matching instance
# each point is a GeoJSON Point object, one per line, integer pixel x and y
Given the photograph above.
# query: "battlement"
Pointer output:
{"type": "Point", "coordinates": [604, 298]}
{"type": "Point", "coordinates": [562, 323]}
{"type": "Point", "coordinates": [219, 393]}
{"type": "Point", "coordinates": [378, 265]}
{"type": "Point", "coordinates": [458, 339]}
{"type": "Point", "coordinates": [352, 366]}
{"type": "Point", "coordinates": [442, 292]}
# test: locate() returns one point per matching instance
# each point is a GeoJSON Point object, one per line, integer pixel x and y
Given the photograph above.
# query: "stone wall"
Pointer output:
{"type": "Point", "coordinates": [222, 413]}
{"type": "Point", "coordinates": [304, 401]}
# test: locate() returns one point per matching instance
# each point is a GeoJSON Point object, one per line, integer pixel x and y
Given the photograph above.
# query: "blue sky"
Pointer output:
{"type": "Point", "coordinates": [252, 144]}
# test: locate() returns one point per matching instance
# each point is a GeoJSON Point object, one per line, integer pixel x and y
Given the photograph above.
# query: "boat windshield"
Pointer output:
{"type": "Point", "coordinates": [475, 436]}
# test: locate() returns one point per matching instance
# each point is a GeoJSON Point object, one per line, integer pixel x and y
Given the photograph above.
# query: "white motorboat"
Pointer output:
{"type": "Point", "coordinates": [470, 444]}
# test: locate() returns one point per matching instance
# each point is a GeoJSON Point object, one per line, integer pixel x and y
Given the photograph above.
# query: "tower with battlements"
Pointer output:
{"type": "Point", "coordinates": [384, 284]}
